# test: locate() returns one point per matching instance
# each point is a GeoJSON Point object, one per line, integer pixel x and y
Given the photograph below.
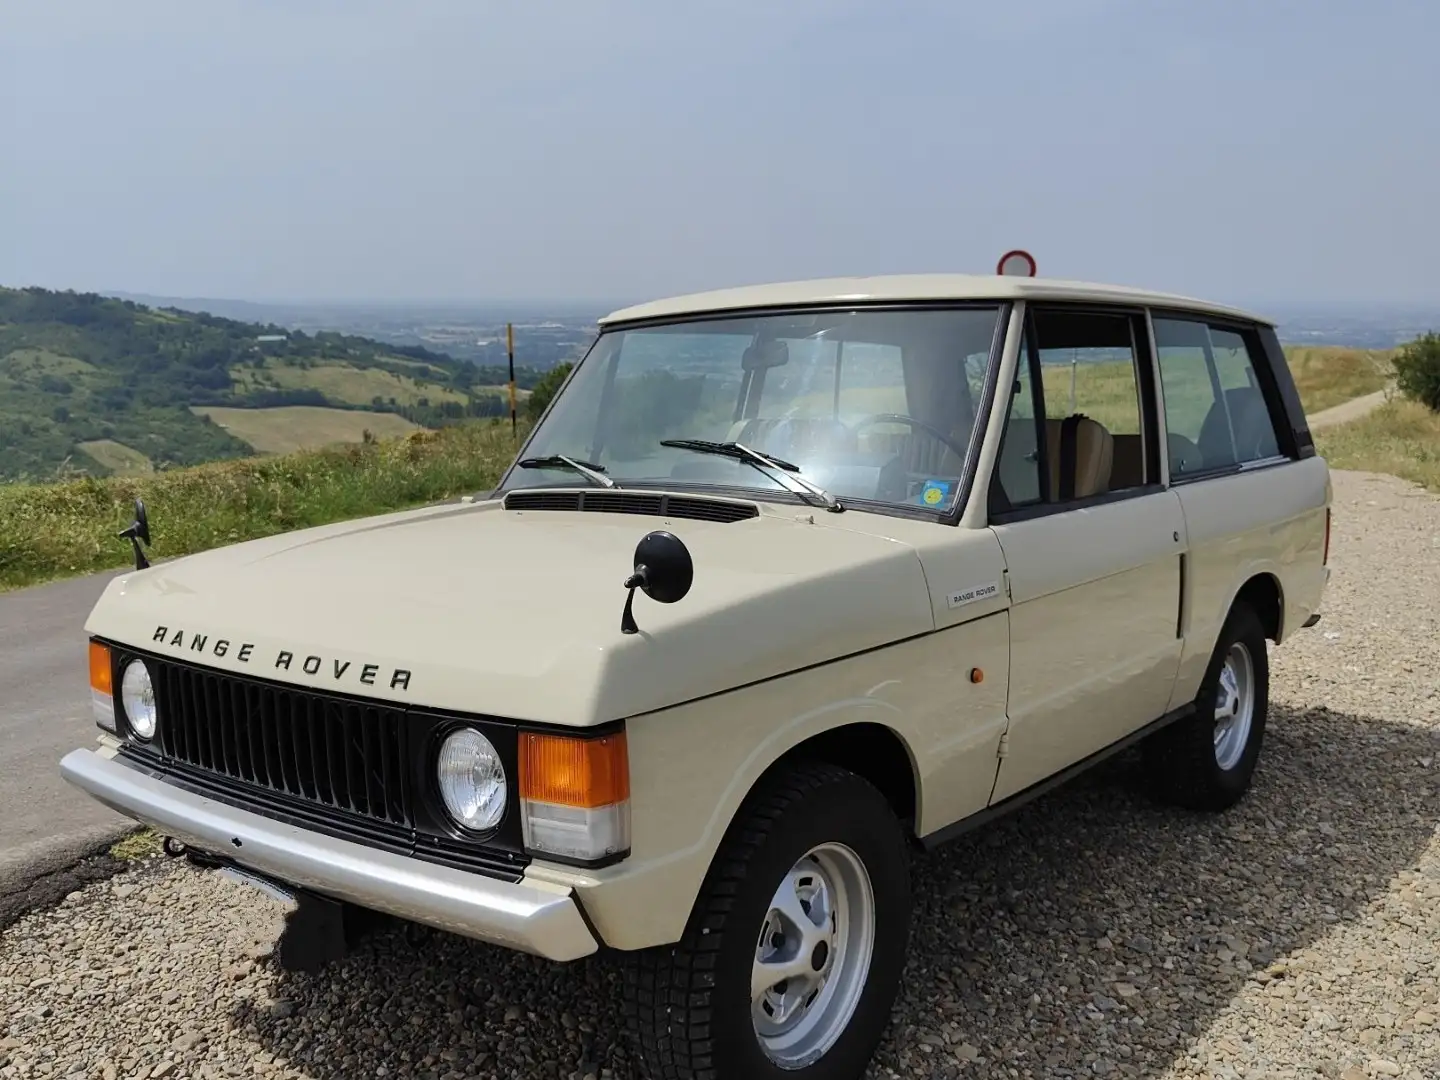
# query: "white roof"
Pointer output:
{"type": "Point", "coordinates": [909, 287]}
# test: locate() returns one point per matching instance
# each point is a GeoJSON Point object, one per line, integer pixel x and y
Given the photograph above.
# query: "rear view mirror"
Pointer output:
{"type": "Point", "coordinates": [765, 354]}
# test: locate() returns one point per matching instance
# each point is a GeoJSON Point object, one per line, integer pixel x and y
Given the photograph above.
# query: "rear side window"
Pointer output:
{"type": "Point", "coordinates": [1217, 414]}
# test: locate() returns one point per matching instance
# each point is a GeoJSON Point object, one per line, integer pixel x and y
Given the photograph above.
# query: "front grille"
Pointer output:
{"type": "Point", "coordinates": [357, 769]}
{"type": "Point", "coordinates": [629, 502]}
{"type": "Point", "coordinates": [348, 756]}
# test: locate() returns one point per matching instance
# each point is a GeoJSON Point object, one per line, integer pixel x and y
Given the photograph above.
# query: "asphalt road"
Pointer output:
{"type": "Point", "coordinates": [45, 712]}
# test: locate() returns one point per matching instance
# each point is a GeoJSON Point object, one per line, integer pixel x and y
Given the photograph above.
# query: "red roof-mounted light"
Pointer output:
{"type": "Point", "coordinates": [1016, 263]}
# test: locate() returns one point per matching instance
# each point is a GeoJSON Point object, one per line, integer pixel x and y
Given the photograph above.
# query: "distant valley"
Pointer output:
{"type": "Point", "coordinates": [550, 333]}
{"type": "Point", "coordinates": [545, 335]}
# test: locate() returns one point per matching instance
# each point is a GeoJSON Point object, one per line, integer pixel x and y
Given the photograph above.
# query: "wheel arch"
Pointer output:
{"type": "Point", "coordinates": [1265, 595]}
{"type": "Point", "coordinates": [876, 752]}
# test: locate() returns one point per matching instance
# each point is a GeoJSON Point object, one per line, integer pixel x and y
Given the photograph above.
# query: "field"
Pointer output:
{"type": "Point", "coordinates": [57, 530]}
{"type": "Point", "coordinates": [1400, 437]}
{"type": "Point", "coordinates": [1327, 375]}
{"type": "Point", "coordinates": [119, 459]}
{"type": "Point", "coordinates": [342, 383]}
{"type": "Point", "coordinates": [289, 428]}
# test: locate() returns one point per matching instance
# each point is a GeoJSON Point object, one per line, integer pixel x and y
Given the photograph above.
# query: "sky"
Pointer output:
{"type": "Point", "coordinates": [481, 150]}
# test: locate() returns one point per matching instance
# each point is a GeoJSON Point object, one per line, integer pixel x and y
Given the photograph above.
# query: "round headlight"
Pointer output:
{"type": "Point", "coordinates": [472, 780]}
{"type": "Point", "coordinates": [137, 695]}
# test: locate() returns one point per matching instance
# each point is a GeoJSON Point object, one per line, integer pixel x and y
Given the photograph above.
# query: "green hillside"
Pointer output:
{"type": "Point", "coordinates": [95, 385]}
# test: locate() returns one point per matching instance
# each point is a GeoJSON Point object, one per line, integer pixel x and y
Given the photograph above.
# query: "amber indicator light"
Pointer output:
{"type": "Point", "coordinates": [976, 675]}
{"type": "Point", "coordinates": [587, 773]}
{"type": "Point", "coordinates": [100, 678]}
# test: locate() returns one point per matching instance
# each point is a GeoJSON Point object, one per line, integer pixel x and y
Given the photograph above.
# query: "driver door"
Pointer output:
{"type": "Point", "coordinates": [1092, 543]}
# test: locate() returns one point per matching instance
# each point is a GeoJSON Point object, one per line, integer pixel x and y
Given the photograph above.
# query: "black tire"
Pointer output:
{"type": "Point", "coordinates": [687, 1006]}
{"type": "Point", "coordinates": [1181, 760]}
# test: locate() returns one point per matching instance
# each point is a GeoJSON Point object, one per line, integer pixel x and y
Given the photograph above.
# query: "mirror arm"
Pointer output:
{"type": "Point", "coordinates": [627, 617]}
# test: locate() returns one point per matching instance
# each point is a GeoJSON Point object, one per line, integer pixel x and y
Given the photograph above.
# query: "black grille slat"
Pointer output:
{"type": "Point", "coordinates": [354, 759]}
{"type": "Point", "coordinates": [335, 754]}
{"type": "Point", "coordinates": [319, 760]}
{"type": "Point", "coordinates": [300, 744]}
{"type": "Point", "coordinates": [264, 716]}
{"type": "Point", "coordinates": [255, 725]}
{"type": "Point", "coordinates": [225, 723]}
{"type": "Point", "coordinates": [198, 724]}
{"type": "Point", "coordinates": [633, 502]}
{"type": "Point", "coordinates": [242, 733]}
{"type": "Point", "coordinates": [370, 756]}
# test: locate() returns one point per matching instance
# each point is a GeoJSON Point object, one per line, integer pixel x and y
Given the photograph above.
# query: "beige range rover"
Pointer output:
{"type": "Point", "coordinates": [787, 582]}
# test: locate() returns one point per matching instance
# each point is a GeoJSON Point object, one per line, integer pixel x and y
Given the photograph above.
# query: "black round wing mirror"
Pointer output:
{"type": "Point", "coordinates": [138, 530]}
{"type": "Point", "coordinates": [663, 568]}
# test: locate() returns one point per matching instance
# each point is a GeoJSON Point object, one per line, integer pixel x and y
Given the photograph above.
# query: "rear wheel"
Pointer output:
{"type": "Point", "coordinates": [1207, 761]}
{"type": "Point", "coordinates": [792, 960]}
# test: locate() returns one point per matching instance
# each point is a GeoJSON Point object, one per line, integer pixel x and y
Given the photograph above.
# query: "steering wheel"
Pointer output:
{"type": "Point", "coordinates": [899, 418]}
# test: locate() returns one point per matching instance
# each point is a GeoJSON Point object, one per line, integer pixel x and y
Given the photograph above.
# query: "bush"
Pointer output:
{"type": "Point", "coordinates": [1417, 370]}
{"type": "Point", "coordinates": [545, 390]}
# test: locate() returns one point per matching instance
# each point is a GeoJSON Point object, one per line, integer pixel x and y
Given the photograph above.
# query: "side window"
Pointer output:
{"type": "Point", "coordinates": [1216, 414]}
{"type": "Point", "coordinates": [1090, 438]}
{"type": "Point", "coordinates": [1094, 439]}
{"type": "Point", "coordinates": [1250, 420]}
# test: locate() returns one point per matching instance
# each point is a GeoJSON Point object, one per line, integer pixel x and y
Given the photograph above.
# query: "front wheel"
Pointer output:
{"type": "Point", "coordinates": [1206, 761]}
{"type": "Point", "coordinates": [792, 960]}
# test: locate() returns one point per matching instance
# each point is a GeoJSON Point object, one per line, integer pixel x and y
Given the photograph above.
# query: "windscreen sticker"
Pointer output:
{"type": "Point", "coordinates": [934, 492]}
{"type": "Point", "coordinates": [962, 597]}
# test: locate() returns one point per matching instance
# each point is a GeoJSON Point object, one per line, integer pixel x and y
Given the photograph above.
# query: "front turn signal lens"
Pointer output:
{"type": "Point", "coordinates": [102, 688]}
{"type": "Point", "coordinates": [575, 796]}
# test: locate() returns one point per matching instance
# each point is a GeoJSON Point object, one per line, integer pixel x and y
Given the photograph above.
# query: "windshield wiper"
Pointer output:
{"type": "Point", "coordinates": [588, 469]}
{"type": "Point", "coordinates": [782, 472]}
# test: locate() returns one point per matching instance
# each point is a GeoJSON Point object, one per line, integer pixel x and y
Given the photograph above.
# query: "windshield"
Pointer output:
{"type": "Point", "coordinates": [874, 405]}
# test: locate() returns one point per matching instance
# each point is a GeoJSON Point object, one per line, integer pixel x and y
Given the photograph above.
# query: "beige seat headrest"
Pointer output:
{"type": "Point", "coordinates": [1094, 457]}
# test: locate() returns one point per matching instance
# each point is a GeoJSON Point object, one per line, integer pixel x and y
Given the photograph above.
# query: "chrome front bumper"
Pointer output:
{"type": "Point", "coordinates": [530, 916]}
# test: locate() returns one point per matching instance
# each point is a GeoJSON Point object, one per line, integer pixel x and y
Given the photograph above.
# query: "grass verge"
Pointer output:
{"type": "Point", "coordinates": [141, 844]}
{"type": "Point", "coordinates": [50, 531]}
{"type": "Point", "coordinates": [1400, 437]}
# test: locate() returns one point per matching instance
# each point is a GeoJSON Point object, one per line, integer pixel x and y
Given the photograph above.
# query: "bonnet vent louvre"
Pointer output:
{"type": "Point", "coordinates": [630, 502]}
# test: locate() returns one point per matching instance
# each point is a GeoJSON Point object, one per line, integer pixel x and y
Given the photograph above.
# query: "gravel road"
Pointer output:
{"type": "Point", "coordinates": [1092, 935]}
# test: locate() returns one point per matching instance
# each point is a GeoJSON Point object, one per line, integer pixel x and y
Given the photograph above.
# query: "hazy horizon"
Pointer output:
{"type": "Point", "coordinates": [314, 152]}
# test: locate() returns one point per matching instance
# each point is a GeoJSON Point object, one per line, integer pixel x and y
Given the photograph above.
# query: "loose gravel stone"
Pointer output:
{"type": "Point", "coordinates": [1094, 934]}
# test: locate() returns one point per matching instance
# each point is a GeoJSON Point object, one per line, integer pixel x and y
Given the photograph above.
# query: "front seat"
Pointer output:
{"type": "Point", "coordinates": [1082, 456]}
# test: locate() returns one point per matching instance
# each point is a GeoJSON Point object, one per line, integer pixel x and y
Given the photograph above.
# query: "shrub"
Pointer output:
{"type": "Point", "coordinates": [1417, 370]}
{"type": "Point", "coordinates": [545, 390]}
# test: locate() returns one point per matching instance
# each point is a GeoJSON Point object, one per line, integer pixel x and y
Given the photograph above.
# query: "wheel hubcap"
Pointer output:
{"type": "Point", "coordinates": [813, 956]}
{"type": "Point", "coordinates": [1234, 706]}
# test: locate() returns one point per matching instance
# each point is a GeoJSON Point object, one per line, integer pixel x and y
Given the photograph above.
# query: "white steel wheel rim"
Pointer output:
{"type": "Point", "coordinates": [813, 956]}
{"type": "Point", "coordinates": [1234, 706]}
